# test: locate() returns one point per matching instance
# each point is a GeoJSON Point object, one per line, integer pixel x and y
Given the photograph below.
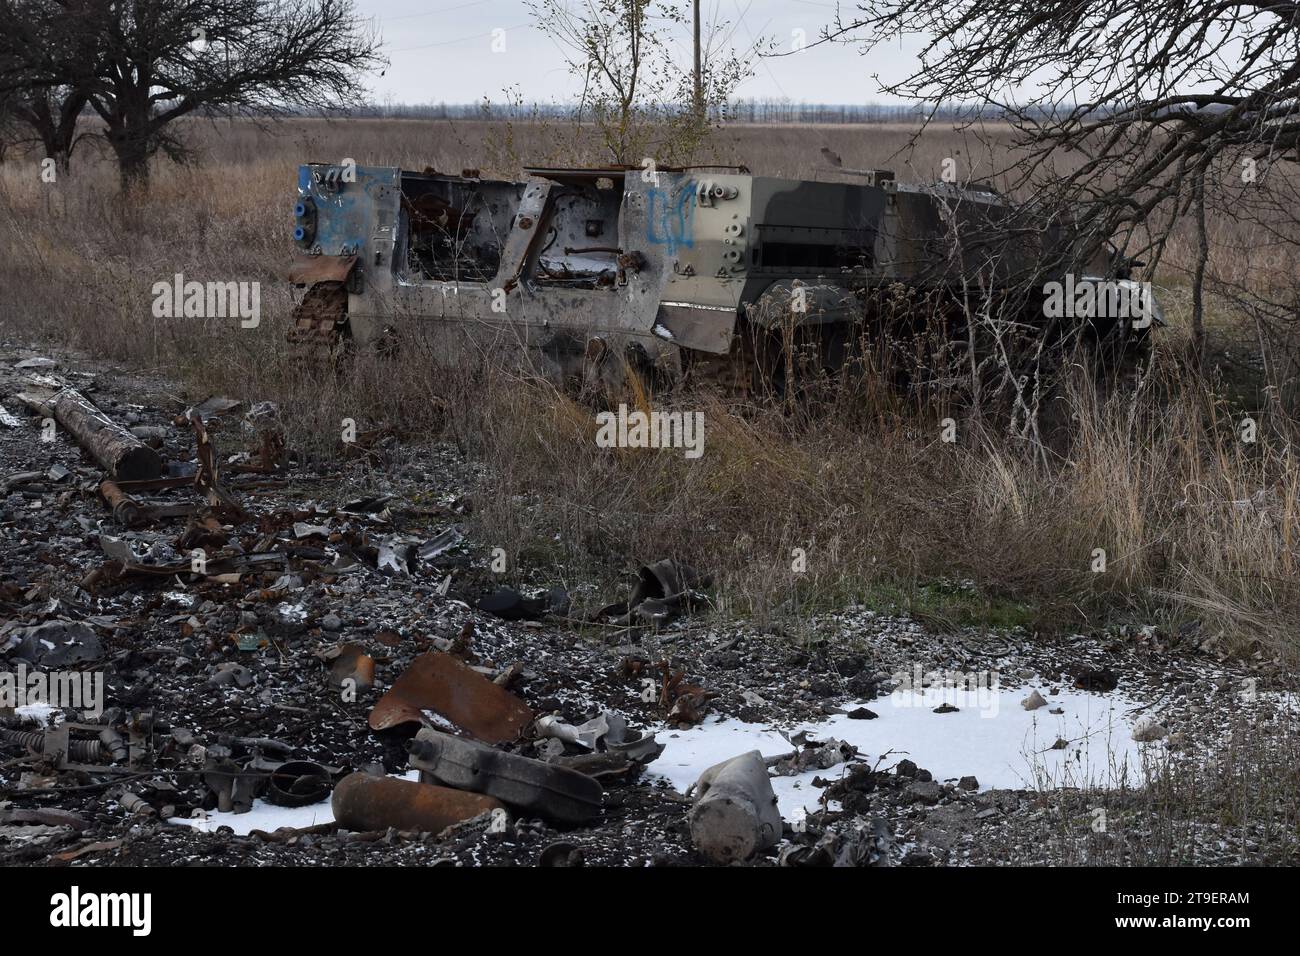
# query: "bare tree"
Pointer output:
{"type": "Point", "coordinates": [9, 125]}
{"type": "Point", "coordinates": [48, 57]}
{"type": "Point", "coordinates": [143, 64]}
{"type": "Point", "coordinates": [1153, 121]}
{"type": "Point", "coordinates": [641, 95]}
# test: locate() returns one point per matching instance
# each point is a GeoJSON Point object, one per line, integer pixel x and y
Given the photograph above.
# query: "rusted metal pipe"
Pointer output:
{"type": "Point", "coordinates": [126, 510]}
{"type": "Point", "coordinates": [365, 802]}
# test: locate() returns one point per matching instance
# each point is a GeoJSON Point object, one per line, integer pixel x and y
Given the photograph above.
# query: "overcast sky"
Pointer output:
{"type": "Point", "coordinates": [441, 51]}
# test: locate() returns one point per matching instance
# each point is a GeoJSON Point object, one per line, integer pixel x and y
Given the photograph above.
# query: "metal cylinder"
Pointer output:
{"type": "Point", "coordinates": [82, 751]}
{"type": "Point", "coordinates": [736, 812]}
{"type": "Point", "coordinates": [365, 802]}
{"type": "Point", "coordinates": [126, 510]}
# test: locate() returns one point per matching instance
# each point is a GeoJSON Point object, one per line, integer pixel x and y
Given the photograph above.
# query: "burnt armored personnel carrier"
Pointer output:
{"type": "Point", "coordinates": [584, 273]}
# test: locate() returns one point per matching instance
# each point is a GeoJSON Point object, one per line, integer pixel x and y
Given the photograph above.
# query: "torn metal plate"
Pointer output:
{"type": "Point", "coordinates": [443, 684]}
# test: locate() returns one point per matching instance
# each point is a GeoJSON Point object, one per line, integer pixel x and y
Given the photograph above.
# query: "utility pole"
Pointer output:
{"type": "Point", "coordinates": [699, 83]}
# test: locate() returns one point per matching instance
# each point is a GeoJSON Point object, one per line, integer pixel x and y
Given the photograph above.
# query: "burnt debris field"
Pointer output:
{"type": "Point", "coordinates": [258, 641]}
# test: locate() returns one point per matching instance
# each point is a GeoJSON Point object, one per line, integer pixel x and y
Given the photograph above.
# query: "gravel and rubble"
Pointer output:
{"type": "Point", "coordinates": [256, 620]}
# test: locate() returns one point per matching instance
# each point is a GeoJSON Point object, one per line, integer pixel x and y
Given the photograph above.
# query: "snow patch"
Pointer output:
{"type": "Point", "coordinates": [990, 736]}
{"type": "Point", "coordinates": [267, 816]}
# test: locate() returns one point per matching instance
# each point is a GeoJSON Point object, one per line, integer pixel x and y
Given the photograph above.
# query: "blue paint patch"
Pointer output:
{"type": "Point", "coordinates": [670, 215]}
{"type": "Point", "coordinates": [340, 219]}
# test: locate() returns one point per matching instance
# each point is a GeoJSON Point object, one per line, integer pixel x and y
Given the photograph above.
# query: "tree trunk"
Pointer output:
{"type": "Point", "coordinates": [55, 123]}
{"type": "Point", "coordinates": [58, 151]}
{"type": "Point", "coordinates": [1198, 280]}
{"type": "Point", "coordinates": [132, 152]}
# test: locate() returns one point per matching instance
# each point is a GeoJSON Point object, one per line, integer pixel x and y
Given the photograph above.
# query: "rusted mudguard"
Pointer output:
{"type": "Point", "coordinates": [308, 269]}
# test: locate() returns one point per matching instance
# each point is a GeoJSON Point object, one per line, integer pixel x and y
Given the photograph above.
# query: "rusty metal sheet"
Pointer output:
{"type": "Point", "coordinates": [443, 684]}
{"type": "Point", "coordinates": [206, 479]}
{"type": "Point", "coordinates": [307, 269]}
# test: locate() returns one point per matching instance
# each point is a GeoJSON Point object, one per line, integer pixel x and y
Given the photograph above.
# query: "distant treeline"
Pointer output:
{"type": "Point", "coordinates": [742, 111]}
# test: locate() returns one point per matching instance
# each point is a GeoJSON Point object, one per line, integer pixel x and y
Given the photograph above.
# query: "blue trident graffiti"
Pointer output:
{"type": "Point", "coordinates": [670, 214]}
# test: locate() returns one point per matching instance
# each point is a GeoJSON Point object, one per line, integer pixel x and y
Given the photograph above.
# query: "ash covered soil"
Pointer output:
{"type": "Point", "coordinates": [238, 664]}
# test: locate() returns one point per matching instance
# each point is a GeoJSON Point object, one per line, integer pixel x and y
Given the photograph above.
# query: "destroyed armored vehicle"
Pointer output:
{"type": "Point", "coordinates": [582, 274]}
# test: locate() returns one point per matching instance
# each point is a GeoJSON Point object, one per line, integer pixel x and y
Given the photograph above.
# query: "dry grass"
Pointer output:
{"type": "Point", "coordinates": [882, 508]}
{"type": "Point", "coordinates": [1235, 805]}
{"type": "Point", "coordinates": [1158, 479]}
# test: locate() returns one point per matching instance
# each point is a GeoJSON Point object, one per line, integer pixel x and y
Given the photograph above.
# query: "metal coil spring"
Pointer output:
{"type": "Point", "coordinates": [82, 751]}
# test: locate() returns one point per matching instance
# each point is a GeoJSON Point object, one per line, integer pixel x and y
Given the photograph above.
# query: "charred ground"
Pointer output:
{"type": "Point", "coordinates": [218, 662]}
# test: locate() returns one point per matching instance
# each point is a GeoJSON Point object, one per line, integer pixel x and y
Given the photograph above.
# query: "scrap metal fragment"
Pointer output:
{"type": "Point", "coordinates": [685, 703]}
{"type": "Point", "coordinates": [663, 590]}
{"type": "Point", "coordinates": [350, 663]}
{"type": "Point", "coordinates": [441, 683]}
{"type": "Point", "coordinates": [20, 479]}
{"type": "Point", "coordinates": [442, 543]}
{"type": "Point", "coordinates": [605, 732]}
{"type": "Point", "coordinates": [598, 765]}
{"type": "Point", "coordinates": [207, 479]}
{"type": "Point", "coordinates": [135, 804]}
{"type": "Point", "coordinates": [54, 643]}
{"type": "Point", "coordinates": [510, 605]}
{"type": "Point", "coordinates": [853, 844]}
{"type": "Point", "coordinates": [155, 435]}
{"type": "Point", "coordinates": [735, 813]}
{"type": "Point", "coordinates": [394, 557]}
{"type": "Point", "coordinates": [234, 564]}
{"type": "Point", "coordinates": [49, 816]}
{"type": "Point", "coordinates": [89, 751]}
{"type": "Point", "coordinates": [530, 786]}
{"type": "Point", "coordinates": [211, 407]}
{"type": "Point", "coordinates": [272, 452]}
{"type": "Point", "coordinates": [205, 533]}
{"type": "Point", "coordinates": [664, 579]}
{"type": "Point", "coordinates": [97, 847]}
{"type": "Point", "coordinates": [561, 853]}
{"type": "Point", "coordinates": [364, 803]}
{"type": "Point", "coordinates": [233, 787]}
{"type": "Point", "coordinates": [126, 510]}
{"type": "Point", "coordinates": [366, 506]}
{"type": "Point", "coordinates": [298, 783]}
{"type": "Point", "coordinates": [117, 549]}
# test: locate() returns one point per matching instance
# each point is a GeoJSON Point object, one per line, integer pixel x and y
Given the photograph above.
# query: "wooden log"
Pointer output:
{"type": "Point", "coordinates": [735, 813]}
{"type": "Point", "coordinates": [120, 452]}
